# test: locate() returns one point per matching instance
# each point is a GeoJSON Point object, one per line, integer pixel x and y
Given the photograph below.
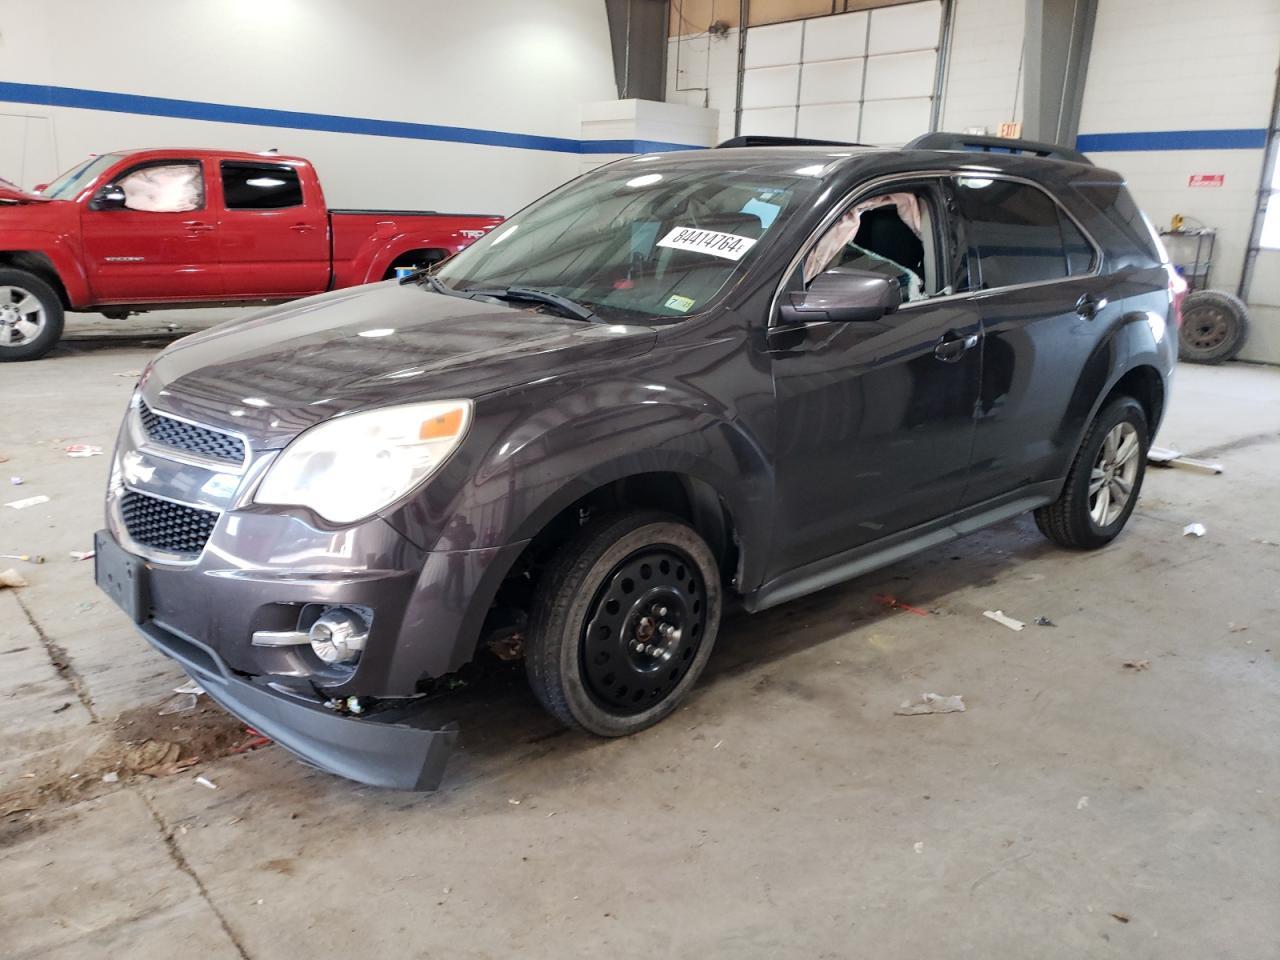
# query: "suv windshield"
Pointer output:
{"type": "Point", "coordinates": [71, 182]}
{"type": "Point", "coordinates": [634, 244]}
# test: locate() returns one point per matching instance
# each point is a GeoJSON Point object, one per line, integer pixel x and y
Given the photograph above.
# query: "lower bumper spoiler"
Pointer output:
{"type": "Point", "coordinates": [381, 753]}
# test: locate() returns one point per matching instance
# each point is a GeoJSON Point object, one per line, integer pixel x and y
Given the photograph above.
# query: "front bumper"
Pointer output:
{"type": "Point", "coordinates": [383, 750]}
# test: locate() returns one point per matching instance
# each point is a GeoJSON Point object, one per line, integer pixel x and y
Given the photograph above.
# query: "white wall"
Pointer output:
{"type": "Point", "coordinates": [518, 66]}
{"type": "Point", "coordinates": [1171, 65]}
{"type": "Point", "coordinates": [984, 72]}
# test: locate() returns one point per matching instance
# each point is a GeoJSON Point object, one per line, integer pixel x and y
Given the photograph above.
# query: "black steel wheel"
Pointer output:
{"type": "Point", "coordinates": [1215, 326]}
{"type": "Point", "coordinates": [623, 623]}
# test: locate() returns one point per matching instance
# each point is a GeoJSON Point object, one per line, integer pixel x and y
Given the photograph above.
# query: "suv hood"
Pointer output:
{"type": "Point", "coordinates": [275, 373]}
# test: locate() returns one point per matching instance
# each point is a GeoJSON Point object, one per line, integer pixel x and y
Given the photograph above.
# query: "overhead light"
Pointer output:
{"type": "Point", "coordinates": [377, 332]}
{"type": "Point", "coordinates": [645, 180]}
{"type": "Point", "coordinates": [812, 171]}
{"type": "Point", "coordinates": [265, 182]}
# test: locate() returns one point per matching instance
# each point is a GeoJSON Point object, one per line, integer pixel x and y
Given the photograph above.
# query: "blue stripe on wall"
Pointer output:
{"type": "Point", "coordinates": [1252, 139]}
{"type": "Point", "coordinates": [51, 96]}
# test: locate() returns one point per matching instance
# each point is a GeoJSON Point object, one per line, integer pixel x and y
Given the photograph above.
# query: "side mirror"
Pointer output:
{"type": "Point", "coordinates": [110, 196]}
{"type": "Point", "coordinates": [842, 294]}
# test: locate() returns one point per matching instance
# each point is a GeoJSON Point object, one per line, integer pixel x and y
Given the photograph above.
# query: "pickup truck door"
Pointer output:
{"type": "Point", "coordinates": [273, 231]}
{"type": "Point", "coordinates": [875, 419]}
{"type": "Point", "coordinates": [150, 236]}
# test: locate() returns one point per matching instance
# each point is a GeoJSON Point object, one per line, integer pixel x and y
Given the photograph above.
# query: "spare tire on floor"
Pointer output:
{"type": "Point", "coordinates": [1215, 326]}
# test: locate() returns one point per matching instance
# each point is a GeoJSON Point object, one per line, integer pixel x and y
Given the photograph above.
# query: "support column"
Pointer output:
{"type": "Point", "coordinates": [638, 30]}
{"type": "Point", "coordinates": [1059, 34]}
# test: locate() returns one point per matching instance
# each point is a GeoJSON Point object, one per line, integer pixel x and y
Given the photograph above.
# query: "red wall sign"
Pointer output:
{"type": "Point", "coordinates": [1206, 180]}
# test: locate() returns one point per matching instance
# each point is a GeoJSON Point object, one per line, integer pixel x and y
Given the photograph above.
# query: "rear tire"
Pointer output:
{"type": "Point", "coordinates": [1215, 326]}
{"type": "Point", "coordinates": [623, 623]}
{"type": "Point", "coordinates": [1109, 466]}
{"type": "Point", "coordinates": [30, 316]}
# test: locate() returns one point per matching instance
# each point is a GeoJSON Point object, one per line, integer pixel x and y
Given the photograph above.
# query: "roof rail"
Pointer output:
{"type": "Point", "coordinates": [759, 140]}
{"type": "Point", "coordinates": [982, 144]}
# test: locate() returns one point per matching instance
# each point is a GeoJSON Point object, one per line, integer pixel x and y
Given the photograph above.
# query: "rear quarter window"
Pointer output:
{"type": "Point", "coordinates": [1129, 231]}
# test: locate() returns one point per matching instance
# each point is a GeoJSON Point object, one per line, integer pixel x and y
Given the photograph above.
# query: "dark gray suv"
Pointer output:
{"type": "Point", "coordinates": [749, 372]}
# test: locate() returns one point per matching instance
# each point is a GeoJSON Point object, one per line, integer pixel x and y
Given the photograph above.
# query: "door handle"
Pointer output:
{"type": "Point", "coordinates": [302, 228]}
{"type": "Point", "coordinates": [952, 346]}
{"type": "Point", "coordinates": [197, 226]}
{"type": "Point", "coordinates": [1088, 306]}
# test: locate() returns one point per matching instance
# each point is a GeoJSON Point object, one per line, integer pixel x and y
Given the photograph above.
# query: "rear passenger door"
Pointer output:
{"type": "Point", "coordinates": [1046, 310]}
{"type": "Point", "coordinates": [273, 240]}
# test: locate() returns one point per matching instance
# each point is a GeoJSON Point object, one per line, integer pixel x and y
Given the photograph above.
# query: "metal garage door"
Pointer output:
{"type": "Point", "coordinates": [868, 77]}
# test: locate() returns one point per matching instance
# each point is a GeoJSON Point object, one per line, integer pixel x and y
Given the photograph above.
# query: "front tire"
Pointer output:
{"type": "Point", "coordinates": [623, 623]}
{"type": "Point", "coordinates": [1105, 480]}
{"type": "Point", "coordinates": [30, 316]}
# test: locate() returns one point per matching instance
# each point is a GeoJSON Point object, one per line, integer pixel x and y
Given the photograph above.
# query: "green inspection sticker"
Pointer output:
{"type": "Point", "coordinates": [677, 302]}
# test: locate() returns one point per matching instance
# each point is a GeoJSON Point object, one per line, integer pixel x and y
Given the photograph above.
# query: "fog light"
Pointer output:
{"type": "Point", "coordinates": [338, 636]}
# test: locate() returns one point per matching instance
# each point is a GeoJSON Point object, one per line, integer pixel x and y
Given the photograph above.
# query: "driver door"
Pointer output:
{"type": "Point", "coordinates": [150, 236]}
{"type": "Point", "coordinates": [876, 419]}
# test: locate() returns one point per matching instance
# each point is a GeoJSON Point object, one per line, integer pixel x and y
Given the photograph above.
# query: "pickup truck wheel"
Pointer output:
{"type": "Point", "coordinates": [1103, 485]}
{"type": "Point", "coordinates": [30, 316]}
{"type": "Point", "coordinates": [623, 623]}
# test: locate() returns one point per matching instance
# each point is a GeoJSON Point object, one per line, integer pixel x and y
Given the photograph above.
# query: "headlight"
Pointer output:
{"type": "Point", "coordinates": [350, 467]}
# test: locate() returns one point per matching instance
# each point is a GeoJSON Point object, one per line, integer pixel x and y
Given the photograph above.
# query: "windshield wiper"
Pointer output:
{"type": "Point", "coordinates": [563, 305]}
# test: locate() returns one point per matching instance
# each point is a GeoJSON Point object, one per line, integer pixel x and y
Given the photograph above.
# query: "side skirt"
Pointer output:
{"type": "Point", "coordinates": [853, 563]}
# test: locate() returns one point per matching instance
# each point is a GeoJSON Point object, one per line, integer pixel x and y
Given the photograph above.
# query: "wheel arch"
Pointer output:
{"type": "Point", "coordinates": [40, 265]}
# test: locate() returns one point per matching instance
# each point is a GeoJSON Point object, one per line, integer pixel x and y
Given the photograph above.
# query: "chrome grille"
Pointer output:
{"type": "Point", "coordinates": [164, 525]}
{"type": "Point", "coordinates": [180, 435]}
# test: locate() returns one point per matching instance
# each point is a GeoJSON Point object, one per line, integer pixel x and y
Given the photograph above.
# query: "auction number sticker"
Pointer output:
{"type": "Point", "coordinates": [728, 246]}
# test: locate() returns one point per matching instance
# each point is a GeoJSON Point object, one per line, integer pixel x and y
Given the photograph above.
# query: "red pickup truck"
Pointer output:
{"type": "Point", "coordinates": [147, 229]}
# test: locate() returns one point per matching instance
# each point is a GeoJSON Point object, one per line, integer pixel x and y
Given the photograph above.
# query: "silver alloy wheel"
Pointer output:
{"type": "Point", "coordinates": [22, 317]}
{"type": "Point", "coordinates": [1114, 474]}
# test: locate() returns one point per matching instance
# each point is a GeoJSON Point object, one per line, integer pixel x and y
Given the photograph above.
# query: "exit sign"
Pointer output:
{"type": "Point", "coordinates": [1206, 180]}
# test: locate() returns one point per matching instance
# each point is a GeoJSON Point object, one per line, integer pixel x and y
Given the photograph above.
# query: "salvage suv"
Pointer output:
{"type": "Point", "coordinates": [745, 373]}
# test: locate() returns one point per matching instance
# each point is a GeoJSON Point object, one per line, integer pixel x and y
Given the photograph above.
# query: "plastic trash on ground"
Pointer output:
{"type": "Point", "coordinates": [1193, 530]}
{"type": "Point", "coordinates": [999, 617]}
{"type": "Point", "coordinates": [931, 703]}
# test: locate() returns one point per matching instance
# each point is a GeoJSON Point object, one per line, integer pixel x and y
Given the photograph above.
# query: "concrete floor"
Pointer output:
{"type": "Point", "coordinates": [1079, 808]}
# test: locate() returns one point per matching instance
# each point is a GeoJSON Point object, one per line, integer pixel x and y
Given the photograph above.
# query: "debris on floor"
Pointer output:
{"type": "Point", "coordinates": [82, 554]}
{"type": "Point", "coordinates": [1193, 530]}
{"type": "Point", "coordinates": [178, 703]}
{"type": "Point", "coordinates": [206, 782]}
{"type": "Point", "coordinates": [893, 603]}
{"type": "Point", "coordinates": [1122, 917]}
{"type": "Point", "coordinates": [1044, 622]}
{"type": "Point", "coordinates": [131, 374]}
{"type": "Point", "coordinates": [999, 617]}
{"type": "Point", "coordinates": [1234, 627]}
{"type": "Point", "coordinates": [12, 578]}
{"type": "Point", "coordinates": [1082, 803]}
{"type": "Point", "coordinates": [27, 502]}
{"type": "Point", "coordinates": [112, 776]}
{"type": "Point", "coordinates": [83, 450]}
{"type": "Point", "coordinates": [918, 846]}
{"type": "Point", "coordinates": [1168, 457]}
{"type": "Point", "coordinates": [1137, 664]}
{"type": "Point", "coordinates": [189, 687]}
{"type": "Point", "coordinates": [16, 481]}
{"type": "Point", "coordinates": [28, 557]}
{"type": "Point", "coordinates": [931, 703]}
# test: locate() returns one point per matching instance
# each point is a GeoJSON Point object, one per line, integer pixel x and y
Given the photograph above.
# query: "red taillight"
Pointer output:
{"type": "Point", "coordinates": [1177, 293]}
